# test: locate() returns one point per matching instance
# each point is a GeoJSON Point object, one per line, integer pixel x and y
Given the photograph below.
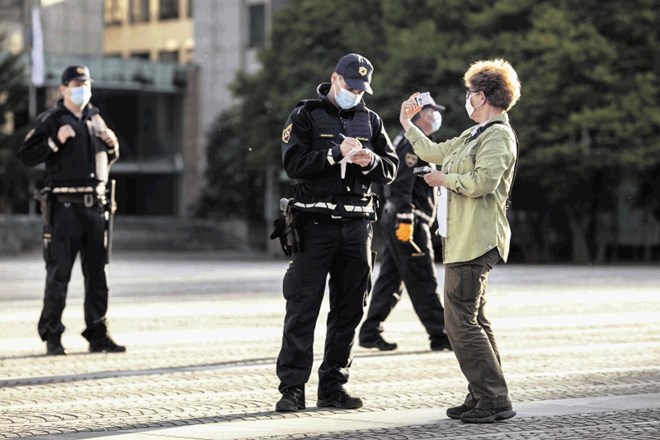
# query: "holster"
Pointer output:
{"type": "Point", "coordinates": [110, 207]}
{"type": "Point", "coordinates": [45, 199]}
{"type": "Point", "coordinates": [285, 228]}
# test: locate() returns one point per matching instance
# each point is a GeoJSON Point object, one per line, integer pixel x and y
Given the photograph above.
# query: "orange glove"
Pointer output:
{"type": "Point", "coordinates": [404, 232]}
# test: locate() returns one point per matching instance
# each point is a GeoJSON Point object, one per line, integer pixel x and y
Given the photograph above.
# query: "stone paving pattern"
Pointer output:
{"type": "Point", "coordinates": [203, 332]}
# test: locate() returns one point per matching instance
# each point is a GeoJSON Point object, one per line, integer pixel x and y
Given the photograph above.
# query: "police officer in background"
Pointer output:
{"type": "Point", "coordinates": [407, 258]}
{"type": "Point", "coordinates": [78, 150]}
{"type": "Point", "coordinates": [333, 148]}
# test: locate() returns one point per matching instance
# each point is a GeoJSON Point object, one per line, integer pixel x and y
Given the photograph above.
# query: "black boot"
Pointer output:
{"type": "Point", "coordinates": [379, 343]}
{"type": "Point", "coordinates": [100, 340]}
{"type": "Point", "coordinates": [339, 399]}
{"type": "Point", "coordinates": [440, 343]}
{"type": "Point", "coordinates": [105, 344]}
{"type": "Point", "coordinates": [54, 346]}
{"type": "Point", "coordinates": [293, 399]}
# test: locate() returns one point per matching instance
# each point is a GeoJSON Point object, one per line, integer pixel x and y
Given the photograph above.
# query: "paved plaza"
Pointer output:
{"type": "Point", "coordinates": [580, 349]}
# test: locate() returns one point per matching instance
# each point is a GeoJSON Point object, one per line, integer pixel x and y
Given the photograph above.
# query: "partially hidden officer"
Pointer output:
{"type": "Point", "coordinates": [407, 256]}
{"type": "Point", "coordinates": [78, 150]}
{"type": "Point", "coordinates": [333, 149]}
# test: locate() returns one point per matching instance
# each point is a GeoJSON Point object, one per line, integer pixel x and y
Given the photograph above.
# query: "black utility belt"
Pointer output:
{"type": "Point", "coordinates": [305, 217]}
{"type": "Point", "coordinates": [87, 199]}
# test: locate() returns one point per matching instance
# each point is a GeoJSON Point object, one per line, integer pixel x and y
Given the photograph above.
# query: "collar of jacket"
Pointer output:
{"type": "Point", "coordinates": [88, 111]}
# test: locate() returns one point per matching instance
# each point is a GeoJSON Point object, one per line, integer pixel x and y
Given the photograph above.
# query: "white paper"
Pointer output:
{"type": "Point", "coordinates": [442, 211]}
{"type": "Point", "coordinates": [347, 159]}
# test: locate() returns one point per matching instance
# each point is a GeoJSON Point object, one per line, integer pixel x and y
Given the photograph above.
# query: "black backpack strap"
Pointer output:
{"type": "Point", "coordinates": [515, 164]}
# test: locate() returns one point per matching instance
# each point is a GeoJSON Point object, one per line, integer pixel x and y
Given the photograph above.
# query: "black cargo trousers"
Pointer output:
{"type": "Point", "coordinates": [401, 264]}
{"type": "Point", "coordinates": [341, 249]}
{"type": "Point", "coordinates": [76, 228]}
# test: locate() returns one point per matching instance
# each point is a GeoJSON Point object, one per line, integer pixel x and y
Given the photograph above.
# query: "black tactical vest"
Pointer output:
{"type": "Point", "coordinates": [327, 192]}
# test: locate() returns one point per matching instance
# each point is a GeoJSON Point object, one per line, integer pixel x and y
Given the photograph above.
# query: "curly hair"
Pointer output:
{"type": "Point", "coordinates": [497, 79]}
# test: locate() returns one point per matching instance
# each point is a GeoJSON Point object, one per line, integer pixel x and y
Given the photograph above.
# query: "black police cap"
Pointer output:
{"type": "Point", "coordinates": [75, 72]}
{"type": "Point", "coordinates": [356, 71]}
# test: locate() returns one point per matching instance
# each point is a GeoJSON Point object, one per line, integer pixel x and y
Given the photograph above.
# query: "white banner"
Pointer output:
{"type": "Point", "coordinates": [37, 49]}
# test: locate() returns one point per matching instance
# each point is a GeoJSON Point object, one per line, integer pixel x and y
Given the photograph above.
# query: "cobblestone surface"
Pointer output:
{"type": "Point", "coordinates": [203, 333]}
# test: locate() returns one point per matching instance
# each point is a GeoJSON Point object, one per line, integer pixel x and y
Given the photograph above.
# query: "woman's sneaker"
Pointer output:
{"type": "Point", "coordinates": [455, 412]}
{"type": "Point", "coordinates": [488, 415]}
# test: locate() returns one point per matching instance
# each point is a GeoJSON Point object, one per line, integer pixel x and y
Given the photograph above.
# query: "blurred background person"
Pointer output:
{"type": "Point", "coordinates": [78, 150]}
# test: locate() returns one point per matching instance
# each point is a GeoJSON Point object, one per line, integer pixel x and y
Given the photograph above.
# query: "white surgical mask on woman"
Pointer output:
{"type": "Point", "coordinates": [468, 105]}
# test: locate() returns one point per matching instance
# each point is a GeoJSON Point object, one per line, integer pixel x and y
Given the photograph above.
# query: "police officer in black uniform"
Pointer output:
{"type": "Point", "coordinates": [333, 148]}
{"type": "Point", "coordinates": [78, 150]}
{"type": "Point", "coordinates": [407, 257]}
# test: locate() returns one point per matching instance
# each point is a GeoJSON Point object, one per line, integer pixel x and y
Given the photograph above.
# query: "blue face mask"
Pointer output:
{"type": "Point", "coordinates": [80, 96]}
{"type": "Point", "coordinates": [346, 99]}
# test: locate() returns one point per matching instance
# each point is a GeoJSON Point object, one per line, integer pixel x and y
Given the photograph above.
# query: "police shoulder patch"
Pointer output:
{"type": "Point", "coordinates": [286, 133]}
{"type": "Point", "coordinates": [411, 159]}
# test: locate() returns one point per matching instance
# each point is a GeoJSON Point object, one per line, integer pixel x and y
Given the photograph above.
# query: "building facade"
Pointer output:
{"type": "Point", "coordinates": [162, 73]}
{"type": "Point", "coordinates": [155, 30]}
{"type": "Point", "coordinates": [228, 36]}
{"type": "Point", "coordinates": [152, 105]}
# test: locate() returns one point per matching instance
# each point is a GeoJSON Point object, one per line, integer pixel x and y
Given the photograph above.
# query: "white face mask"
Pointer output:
{"type": "Point", "coordinates": [436, 123]}
{"type": "Point", "coordinates": [346, 99]}
{"type": "Point", "coordinates": [80, 96]}
{"type": "Point", "coordinates": [468, 105]}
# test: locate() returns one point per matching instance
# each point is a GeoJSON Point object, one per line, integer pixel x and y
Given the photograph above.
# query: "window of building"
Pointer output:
{"type": "Point", "coordinates": [187, 56]}
{"type": "Point", "coordinates": [169, 9]}
{"type": "Point", "coordinates": [140, 55]}
{"type": "Point", "coordinates": [257, 25]}
{"type": "Point", "coordinates": [113, 12]}
{"type": "Point", "coordinates": [168, 56]}
{"type": "Point", "coordinates": [190, 8]}
{"type": "Point", "coordinates": [139, 11]}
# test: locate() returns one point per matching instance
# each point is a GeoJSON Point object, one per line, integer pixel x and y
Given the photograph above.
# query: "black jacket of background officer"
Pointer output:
{"type": "Point", "coordinates": [409, 195]}
{"type": "Point", "coordinates": [75, 165]}
{"type": "Point", "coordinates": [310, 151]}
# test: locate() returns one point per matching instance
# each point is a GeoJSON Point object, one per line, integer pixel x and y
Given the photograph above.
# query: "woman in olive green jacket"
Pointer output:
{"type": "Point", "coordinates": [476, 171]}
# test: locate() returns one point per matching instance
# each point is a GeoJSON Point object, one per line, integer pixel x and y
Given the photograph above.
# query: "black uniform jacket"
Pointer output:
{"type": "Point", "coordinates": [71, 164]}
{"type": "Point", "coordinates": [311, 156]}
{"type": "Point", "coordinates": [409, 196]}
